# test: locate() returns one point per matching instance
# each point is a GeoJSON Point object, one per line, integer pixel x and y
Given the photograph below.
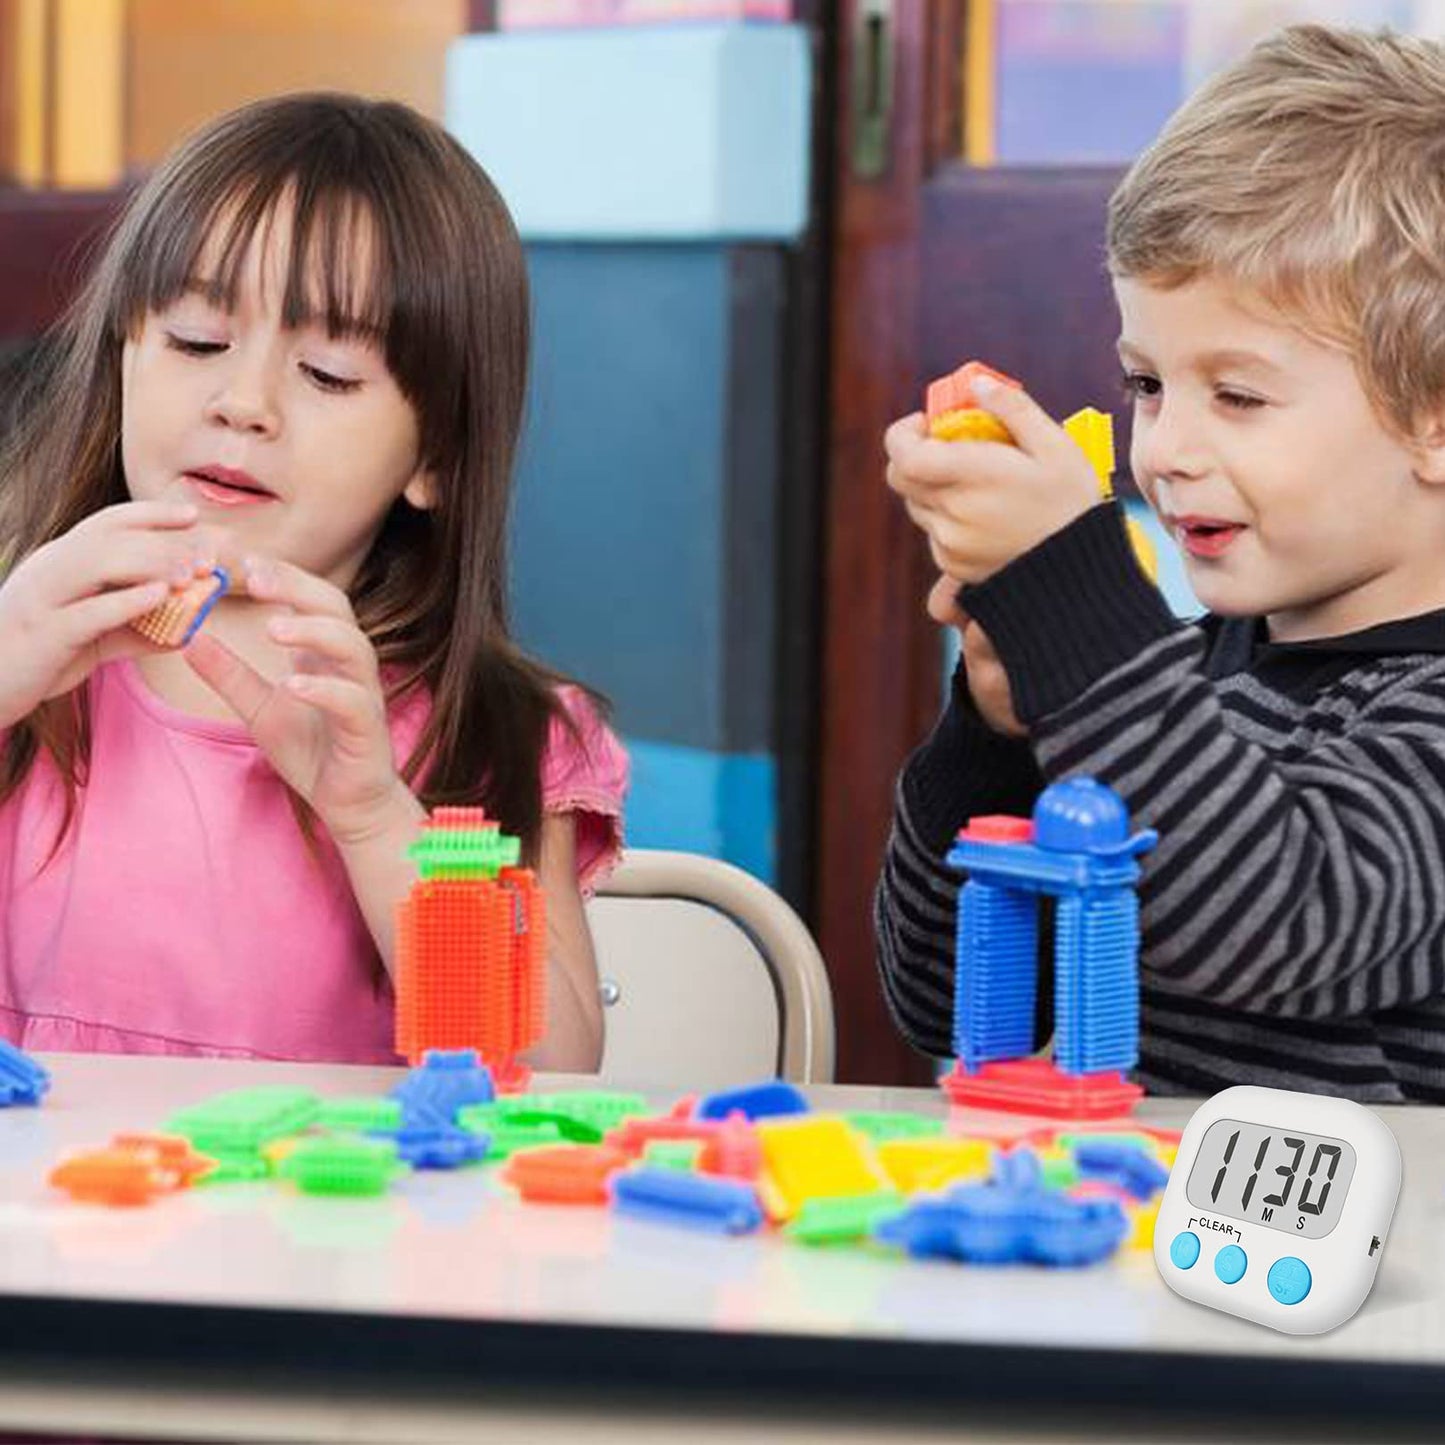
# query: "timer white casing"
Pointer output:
{"type": "Point", "coordinates": [1342, 1264]}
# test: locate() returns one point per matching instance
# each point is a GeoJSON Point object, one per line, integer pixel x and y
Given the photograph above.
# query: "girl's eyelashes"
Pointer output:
{"type": "Point", "coordinates": [328, 381]}
{"type": "Point", "coordinates": [193, 346]}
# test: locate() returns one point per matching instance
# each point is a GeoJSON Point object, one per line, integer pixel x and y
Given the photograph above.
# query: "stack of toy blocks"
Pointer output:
{"type": "Point", "coordinates": [1077, 849]}
{"type": "Point", "coordinates": [471, 947]}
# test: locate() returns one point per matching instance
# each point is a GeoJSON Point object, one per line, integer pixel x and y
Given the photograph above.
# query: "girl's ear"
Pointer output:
{"type": "Point", "coordinates": [1429, 449]}
{"type": "Point", "coordinates": [421, 491]}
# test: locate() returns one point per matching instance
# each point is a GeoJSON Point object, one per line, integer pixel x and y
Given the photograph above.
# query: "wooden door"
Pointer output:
{"type": "Point", "coordinates": [933, 262]}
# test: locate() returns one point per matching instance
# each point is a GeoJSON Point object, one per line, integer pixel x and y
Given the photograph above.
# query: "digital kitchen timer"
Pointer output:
{"type": "Point", "coordinates": [1277, 1207]}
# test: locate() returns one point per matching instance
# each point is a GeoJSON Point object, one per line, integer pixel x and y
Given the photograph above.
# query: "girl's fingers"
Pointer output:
{"type": "Point", "coordinates": [164, 513]}
{"type": "Point", "coordinates": [230, 676]}
{"type": "Point", "coordinates": [356, 713]}
{"type": "Point", "coordinates": [339, 646]}
{"type": "Point", "coordinates": [92, 618]}
{"type": "Point", "coordinates": [269, 580]}
{"type": "Point", "coordinates": [97, 562]}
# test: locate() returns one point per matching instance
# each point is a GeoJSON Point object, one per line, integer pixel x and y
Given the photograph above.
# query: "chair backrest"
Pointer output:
{"type": "Point", "coordinates": [709, 978]}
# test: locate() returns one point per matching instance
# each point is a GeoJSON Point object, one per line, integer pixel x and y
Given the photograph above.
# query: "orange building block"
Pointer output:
{"type": "Point", "coordinates": [471, 948]}
{"type": "Point", "coordinates": [954, 392]}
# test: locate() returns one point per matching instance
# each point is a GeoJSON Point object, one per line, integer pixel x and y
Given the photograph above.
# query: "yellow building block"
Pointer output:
{"type": "Point", "coordinates": [1141, 1221]}
{"type": "Point", "coordinates": [1144, 551]}
{"type": "Point", "coordinates": [916, 1164]}
{"type": "Point", "coordinates": [814, 1159]}
{"type": "Point", "coordinates": [1092, 431]}
{"type": "Point", "coordinates": [969, 424]}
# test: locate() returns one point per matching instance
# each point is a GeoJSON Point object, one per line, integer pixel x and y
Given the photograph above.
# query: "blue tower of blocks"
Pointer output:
{"type": "Point", "coordinates": [1079, 851]}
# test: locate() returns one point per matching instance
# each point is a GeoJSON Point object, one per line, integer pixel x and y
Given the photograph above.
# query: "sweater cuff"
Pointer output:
{"type": "Point", "coordinates": [1069, 611]}
{"type": "Point", "coordinates": [965, 770]}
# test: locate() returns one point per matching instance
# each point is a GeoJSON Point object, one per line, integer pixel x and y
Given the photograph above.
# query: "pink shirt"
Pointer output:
{"type": "Point", "coordinates": [184, 913]}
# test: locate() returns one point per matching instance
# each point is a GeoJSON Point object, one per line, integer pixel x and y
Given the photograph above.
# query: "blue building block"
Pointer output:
{"type": "Point", "coordinates": [994, 998]}
{"type": "Point", "coordinates": [761, 1101]}
{"type": "Point", "coordinates": [1131, 1168]}
{"type": "Point", "coordinates": [445, 1081]}
{"type": "Point", "coordinates": [1083, 854]}
{"type": "Point", "coordinates": [678, 133]}
{"type": "Point", "coordinates": [993, 1224]}
{"type": "Point", "coordinates": [1068, 1232]}
{"type": "Point", "coordinates": [22, 1080]}
{"type": "Point", "coordinates": [695, 1201]}
{"type": "Point", "coordinates": [438, 1146]}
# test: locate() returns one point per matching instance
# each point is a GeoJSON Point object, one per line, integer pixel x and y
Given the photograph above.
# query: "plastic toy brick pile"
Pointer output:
{"type": "Point", "coordinates": [736, 1162]}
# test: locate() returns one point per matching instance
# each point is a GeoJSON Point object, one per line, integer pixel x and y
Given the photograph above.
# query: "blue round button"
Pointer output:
{"type": "Point", "coordinates": [1184, 1249]}
{"type": "Point", "coordinates": [1230, 1264]}
{"type": "Point", "coordinates": [1289, 1280]}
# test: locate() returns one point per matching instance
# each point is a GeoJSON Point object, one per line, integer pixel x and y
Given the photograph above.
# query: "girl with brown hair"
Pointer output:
{"type": "Point", "coordinates": [302, 355]}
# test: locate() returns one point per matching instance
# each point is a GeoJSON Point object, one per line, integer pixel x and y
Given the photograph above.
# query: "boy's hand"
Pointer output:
{"type": "Point", "coordinates": [66, 608]}
{"type": "Point", "coordinates": [323, 726]}
{"type": "Point", "coordinates": [987, 680]}
{"type": "Point", "coordinates": [981, 504]}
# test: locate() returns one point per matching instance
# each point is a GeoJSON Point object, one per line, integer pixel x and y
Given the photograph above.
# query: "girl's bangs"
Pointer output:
{"type": "Point", "coordinates": [340, 267]}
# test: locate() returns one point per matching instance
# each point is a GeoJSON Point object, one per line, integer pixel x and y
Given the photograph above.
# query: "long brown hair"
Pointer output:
{"type": "Point", "coordinates": [448, 299]}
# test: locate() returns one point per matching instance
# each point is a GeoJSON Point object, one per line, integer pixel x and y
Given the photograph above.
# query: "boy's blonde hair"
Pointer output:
{"type": "Point", "coordinates": [1312, 173]}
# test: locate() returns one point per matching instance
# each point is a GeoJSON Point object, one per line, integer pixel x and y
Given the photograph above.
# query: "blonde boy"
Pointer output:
{"type": "Point", "coordinates": [1278, 256]}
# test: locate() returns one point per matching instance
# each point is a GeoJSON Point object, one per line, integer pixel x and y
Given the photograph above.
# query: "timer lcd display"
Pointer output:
{"type": "Point", "coordinates": [1284, 1179]}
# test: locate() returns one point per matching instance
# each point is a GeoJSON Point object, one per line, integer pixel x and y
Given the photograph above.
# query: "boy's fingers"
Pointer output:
{"type": "Point", "coordinates": [920, 465]}
{"type": "Point", "coordinates": [943, 605]}
{"type": "Point", "coordinates": [1031, 426]}
{"type": "Point", "coordinates": [913, 427]}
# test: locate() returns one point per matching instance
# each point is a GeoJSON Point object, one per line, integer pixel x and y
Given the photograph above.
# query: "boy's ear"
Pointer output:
{"type": "Point", "coordinates": [421, 491]}
{"type": "Point", "coordinates": [1429, 448]}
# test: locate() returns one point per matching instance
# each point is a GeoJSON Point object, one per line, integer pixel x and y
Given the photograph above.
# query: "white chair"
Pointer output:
{"type": "Point", "coordinates": [709, 979]}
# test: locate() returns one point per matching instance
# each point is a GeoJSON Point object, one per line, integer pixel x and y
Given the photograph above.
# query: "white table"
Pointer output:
{"type": "Point", "coordinates": [448, 1309]}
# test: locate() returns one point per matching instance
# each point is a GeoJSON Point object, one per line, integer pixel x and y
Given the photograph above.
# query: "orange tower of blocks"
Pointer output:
{"type": "Point", "coordinates": [471, 947]}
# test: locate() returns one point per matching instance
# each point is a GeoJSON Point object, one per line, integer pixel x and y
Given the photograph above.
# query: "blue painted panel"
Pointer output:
{"type": "Point", "coordinates": [643, 544]}
{"type": "Point", "coordinates": [722, 805]}
{"type": "Point", "coordinates": [668, 132]}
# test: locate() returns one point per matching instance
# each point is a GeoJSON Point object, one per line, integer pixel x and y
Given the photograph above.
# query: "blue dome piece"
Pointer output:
{"type": "Point", "coordinates": [1081, 815]}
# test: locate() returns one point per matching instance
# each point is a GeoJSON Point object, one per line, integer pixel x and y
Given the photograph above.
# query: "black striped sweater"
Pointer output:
{"type": "Point", "coordinates": [1293, 913]}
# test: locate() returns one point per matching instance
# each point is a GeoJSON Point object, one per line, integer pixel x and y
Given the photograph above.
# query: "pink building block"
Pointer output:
{"type": "Point", "coordinates": [561, 14]}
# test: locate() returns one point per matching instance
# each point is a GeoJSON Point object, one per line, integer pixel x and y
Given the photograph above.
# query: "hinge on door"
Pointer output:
{"type": "Point", "coordinates": [872, 100]}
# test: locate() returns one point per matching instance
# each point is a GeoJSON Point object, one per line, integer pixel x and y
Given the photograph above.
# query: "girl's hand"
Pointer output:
{"type": "Point", "coordinates": [65, 608]}
{"type": "Point", "coordinates": [987, 681]}
{"type": "Point", "coordinates": [982, 504]}
{"type": "Point", "coordinates": [323, 726]}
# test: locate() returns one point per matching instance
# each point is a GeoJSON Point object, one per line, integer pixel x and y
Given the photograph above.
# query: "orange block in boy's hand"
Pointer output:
{"type": "Point", "coordinates": [953, 410]}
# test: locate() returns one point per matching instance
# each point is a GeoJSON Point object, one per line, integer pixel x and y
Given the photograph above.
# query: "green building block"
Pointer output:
{"type": "Point", "coordinates": [236, 1169]}
{"type": "Point", "coordinates": [842, 1221]}
{"type": "Point", "coordinates": [243, 1121]}
{"type": "Point", "coordinates": [464, 853]}
{"type": "Point", "coordinates": [596, 1109]}
{"type": "Point", "coordinates": [680, 1154]}
{"type": "Point", "coordinates": [507, 1135]}
{"type": "Point", "coordinates": [340, 1165]}
{"type": "Point", "coordinates": [880, 1126]}
{"type": "Point", "coordinates": [360, 1115]}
